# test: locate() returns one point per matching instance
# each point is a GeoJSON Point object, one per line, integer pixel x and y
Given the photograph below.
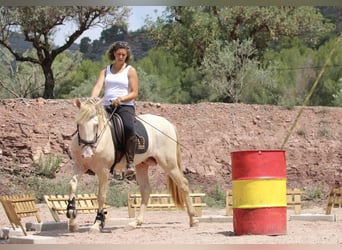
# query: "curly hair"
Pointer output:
{"type": "Point", "coordinates": [119, 45]}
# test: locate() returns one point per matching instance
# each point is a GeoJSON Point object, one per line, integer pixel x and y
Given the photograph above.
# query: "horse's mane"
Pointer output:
{"type": "Point", "coordinates": [89, 108]}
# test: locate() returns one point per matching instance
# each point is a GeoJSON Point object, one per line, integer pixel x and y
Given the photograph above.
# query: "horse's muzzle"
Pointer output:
{"type": "Point", "coordinates": [87, 152]}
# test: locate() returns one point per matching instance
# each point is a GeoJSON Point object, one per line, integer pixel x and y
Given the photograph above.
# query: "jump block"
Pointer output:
{"type": "Point", "coordinates": [215, 218]}
{"type": "Point", "coordinates": [32, 239]}
{"type": "Point", "coordinates": [118, 222]}
{"type": "Point", "coordinates": [314, 217]}
{"type": "Point", "coordinates": [7, 232]}
{"type": "Point", "coordinates": [47, 226]}
{"type": "Point", "coordinates": [85, 204]}
{"type": "Point", "coordinates": [163, 202]}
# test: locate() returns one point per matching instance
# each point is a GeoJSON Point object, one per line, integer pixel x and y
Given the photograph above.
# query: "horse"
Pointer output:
{"type": "Point", "coordinates": [92, 148]}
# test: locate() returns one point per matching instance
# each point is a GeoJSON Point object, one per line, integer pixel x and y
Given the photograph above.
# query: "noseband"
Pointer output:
{"type": "Point", "coordinates": [84, 143]}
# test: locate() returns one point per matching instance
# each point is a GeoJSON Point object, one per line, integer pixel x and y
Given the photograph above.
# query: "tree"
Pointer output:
{"type": "Point", "coordinates": [328, 86]}
{"type": "Point", "coordinates": [18, 79]}
{"type": "Point", "coordinates": [188, 31]}
{"type": "Point", "coordinates": [338, 96]}
{"type": "Point", "coordinates": [40, 24]}
{"type": "Point", "coordinates": [240, 78]}
{"type": "Point", "coordinates": [65, 65]}
{"type": "Point", "coordinates": [294, 69]}
{"type": "Point", "coordinates": [167, 83]}
{"type": "Point", "coordinates": [85, 45]}
{"type": "Point", "coordinates": [113, 33]}
{"type": "Point", "coordinates": [98, 47]}
{"type": "Point", "coordinates": [80, 81]}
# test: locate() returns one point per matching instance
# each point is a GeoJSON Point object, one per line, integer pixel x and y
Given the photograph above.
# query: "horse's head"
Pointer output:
{"type": "Point", "coordinates": [88, 124]}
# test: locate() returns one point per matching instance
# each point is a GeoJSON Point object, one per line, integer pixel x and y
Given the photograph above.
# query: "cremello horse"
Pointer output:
{"type": "Point", "coordinates": [92, 149]}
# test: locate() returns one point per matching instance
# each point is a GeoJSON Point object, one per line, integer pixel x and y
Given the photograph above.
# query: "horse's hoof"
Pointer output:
{"type": "Point", "coordinates": [94, 230]}
{"type": "Point", "coordinates": [195, 223]}
{"type": "Point", "coordinates": [135, 223]}
{"type": "Point", "coordinates": [73, 228]}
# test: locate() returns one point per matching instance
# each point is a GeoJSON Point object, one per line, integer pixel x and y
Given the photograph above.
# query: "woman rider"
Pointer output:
{"type": "Point", "coordinates": [120, 82]}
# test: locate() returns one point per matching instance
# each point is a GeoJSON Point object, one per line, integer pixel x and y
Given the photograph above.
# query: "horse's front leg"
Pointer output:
{"type": "Point", "coordinates": [101, 198]}
{"type": "Point", "coordinates": [71, 207]}
{"type": "Point", "coordinates": [145, 191]}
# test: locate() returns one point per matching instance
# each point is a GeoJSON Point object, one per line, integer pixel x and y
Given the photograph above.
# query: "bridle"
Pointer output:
{"type": "Point", "coordinates": [94, 142]}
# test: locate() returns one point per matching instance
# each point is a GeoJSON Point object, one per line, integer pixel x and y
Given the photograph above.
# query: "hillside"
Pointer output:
{"type": "Point", "coordinates": [209, 132]}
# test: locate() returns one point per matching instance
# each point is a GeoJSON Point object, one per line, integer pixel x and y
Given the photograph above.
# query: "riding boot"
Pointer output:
{"type": "Point", "coordinates": [130, 151]}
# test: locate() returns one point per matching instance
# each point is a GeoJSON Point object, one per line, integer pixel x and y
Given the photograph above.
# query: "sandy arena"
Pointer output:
{"type": "Point", "coordinates": [171, 227]}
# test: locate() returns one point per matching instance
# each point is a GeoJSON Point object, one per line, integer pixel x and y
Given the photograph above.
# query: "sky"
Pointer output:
{"type": "Point", "coordinates": [135, 21]}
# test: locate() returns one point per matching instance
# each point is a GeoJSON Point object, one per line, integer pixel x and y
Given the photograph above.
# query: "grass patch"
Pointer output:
{"type": "Point", "coordinates": [323, 111]}
{"type": "Point", "coordinates": [39, 186]}
{"type": "Point", "coordinates": [117, 193]}
{"type": "Point", "coordinates": [47, 167]}
{"type": "Point", "coordinates": [216, 198]}
{"type": "Point", "coordinates": [313, 194]}
{"type": "Point", "coordinates": [323, 132]}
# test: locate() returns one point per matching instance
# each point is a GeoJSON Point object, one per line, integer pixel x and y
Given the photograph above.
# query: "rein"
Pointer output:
{"type": "Point", "coordinates": [157, 129]}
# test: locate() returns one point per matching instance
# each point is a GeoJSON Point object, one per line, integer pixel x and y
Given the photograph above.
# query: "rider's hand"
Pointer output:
{"type": "Point", "coordinates": [116, 102]}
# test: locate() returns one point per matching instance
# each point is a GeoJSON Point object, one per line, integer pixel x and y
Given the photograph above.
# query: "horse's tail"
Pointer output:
{"type": "Point", "coordinates": [176, 193]}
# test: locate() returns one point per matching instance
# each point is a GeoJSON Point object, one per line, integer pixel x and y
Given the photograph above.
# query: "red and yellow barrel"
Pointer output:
{"type": "Point", "coordinates": [259, 192]}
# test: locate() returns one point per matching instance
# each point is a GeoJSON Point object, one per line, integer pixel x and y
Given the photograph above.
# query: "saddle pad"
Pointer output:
{"type": "Point", "coordinates": [142, 138]}
{"type": "Point", "coordinates": [117, 130]}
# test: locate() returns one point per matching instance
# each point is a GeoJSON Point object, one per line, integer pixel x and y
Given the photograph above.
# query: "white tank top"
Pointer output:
{"type": "Point", "coordinates": [116, 85]}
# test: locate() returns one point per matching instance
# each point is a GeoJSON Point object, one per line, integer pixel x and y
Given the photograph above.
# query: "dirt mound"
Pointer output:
{"type": "Point", "coordinates": [209, 132]}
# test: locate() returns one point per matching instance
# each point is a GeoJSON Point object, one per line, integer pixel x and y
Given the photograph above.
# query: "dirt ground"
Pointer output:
{"type": "Point", "coordinates": [171, 227]}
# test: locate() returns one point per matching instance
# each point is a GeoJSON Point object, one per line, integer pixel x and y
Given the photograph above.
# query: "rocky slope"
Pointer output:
{"type": "Point", "coordinates": [209, 132]}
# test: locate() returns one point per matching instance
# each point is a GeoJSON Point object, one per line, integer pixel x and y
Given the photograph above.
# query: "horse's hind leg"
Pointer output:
{"type": "Point", "coordinates": [180, 185]}
{"type": "Point", "coordinates": [145, 191]}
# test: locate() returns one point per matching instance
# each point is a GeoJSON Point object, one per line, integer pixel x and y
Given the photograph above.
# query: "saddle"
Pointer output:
{"type": "Point", "coordinates": [118, 137]}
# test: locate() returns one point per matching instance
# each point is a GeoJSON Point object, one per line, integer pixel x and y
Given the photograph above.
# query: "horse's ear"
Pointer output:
{"type": "Point", "coordinates": [78, 103]}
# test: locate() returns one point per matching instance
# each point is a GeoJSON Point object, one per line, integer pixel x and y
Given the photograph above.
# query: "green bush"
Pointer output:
{"type": "Point", "coordinates": [39, 186]}
{"type": "Point", "coordinates": [118, 192]}
{"type": "Point", "coordinates": [216, 198]}
{"type": "Point", "coordinates": [47, 167]}
{"type": "Point", "coordinates": [323, 132]}
{"type": "Point", "coordinates": [313, 194]}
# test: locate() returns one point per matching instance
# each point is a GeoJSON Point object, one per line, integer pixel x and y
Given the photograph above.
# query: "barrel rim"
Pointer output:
{"type": "Point", "coordinates": [259, 150]}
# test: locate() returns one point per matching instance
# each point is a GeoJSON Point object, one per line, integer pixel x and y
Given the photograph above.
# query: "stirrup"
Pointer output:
{"type": "Point", "coordinates": [130, 170]}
